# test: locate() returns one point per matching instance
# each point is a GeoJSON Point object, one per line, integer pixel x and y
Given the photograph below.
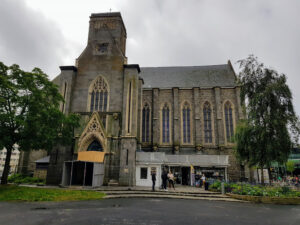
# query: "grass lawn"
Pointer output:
{"type": "Point", "coordinates": [29, 194]}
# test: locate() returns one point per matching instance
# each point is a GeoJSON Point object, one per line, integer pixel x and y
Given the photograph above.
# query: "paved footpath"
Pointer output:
{"type": "Point", "coordinates": [179, 188]}
{"type": "Point", "coordinates": [147, 212]}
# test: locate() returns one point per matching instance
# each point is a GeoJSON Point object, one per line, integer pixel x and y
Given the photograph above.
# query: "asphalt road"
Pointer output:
{"type": "Point", "coordinates": [147, 212]}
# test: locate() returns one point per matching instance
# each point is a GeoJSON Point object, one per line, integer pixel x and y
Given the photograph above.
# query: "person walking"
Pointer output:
{"type": "Point", "coordinates": [171, 180]}
{"type": "Point", "coordinates": [153, 180]}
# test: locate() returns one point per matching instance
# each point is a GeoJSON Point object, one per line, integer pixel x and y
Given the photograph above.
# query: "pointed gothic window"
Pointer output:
{"type": "Point", "coordinates": [99, 95]}
{"type": "Point", "coordinates": [129, 105]}
{"type": "Point", "coordinates": [207, 123]}
{"type": "Point", "coordinates": [228, 121]}
{"type": "Point", "coordinates": [146, 123]}
{"type": "Point", "coordinates": [166, 124]}
{"type": "Point", "coordinates": [186, 123]}
{"type": "Point", "coordinates": [65, 98]}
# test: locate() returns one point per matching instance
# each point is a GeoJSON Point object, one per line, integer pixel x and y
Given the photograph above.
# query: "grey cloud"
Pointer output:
{"type": "Point", "coordinates": [168, 33]}
{"type": "Point", "coordinates": [29, 39]}
{"type": "Point", "coordinates": [173, 32]}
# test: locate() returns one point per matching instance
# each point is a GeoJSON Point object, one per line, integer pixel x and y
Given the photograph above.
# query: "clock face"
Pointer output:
{"type": "Point", "coordinates": [101, 49]}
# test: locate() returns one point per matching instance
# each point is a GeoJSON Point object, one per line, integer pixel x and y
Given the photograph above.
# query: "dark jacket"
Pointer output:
{"type": "Point", "coordinates": [164, 176]}
{"type": "Point", "coordinates": [153, 177]}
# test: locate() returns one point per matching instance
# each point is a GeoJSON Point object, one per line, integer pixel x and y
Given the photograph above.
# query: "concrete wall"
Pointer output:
{"type": "Point", "coordinates": [148, 182]}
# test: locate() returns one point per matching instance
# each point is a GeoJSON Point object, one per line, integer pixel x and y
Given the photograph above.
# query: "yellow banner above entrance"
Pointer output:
{"type": "Point", "coordinates": [91, 156]}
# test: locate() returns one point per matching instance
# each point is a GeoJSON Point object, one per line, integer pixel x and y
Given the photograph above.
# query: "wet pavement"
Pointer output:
{"type": "Point", "coordinates": [147, 212]}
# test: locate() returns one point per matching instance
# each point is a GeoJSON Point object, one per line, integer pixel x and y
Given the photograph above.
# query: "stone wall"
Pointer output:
{"type": "Point", "coordinates": [27, 160]}
{"type": "Point", "coordinates": [196, 97]}
{"type": "Point", "coordinates": [40, 173]}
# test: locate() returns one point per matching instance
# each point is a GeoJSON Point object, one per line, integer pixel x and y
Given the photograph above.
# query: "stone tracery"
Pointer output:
{"type": "Point", "coordinates": [99, 95]}
{"type": "Point", "coordinates": [93, 131]}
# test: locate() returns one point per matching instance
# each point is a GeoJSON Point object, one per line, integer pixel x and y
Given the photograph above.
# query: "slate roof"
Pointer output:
{"type": "Point", "coordinates": [188, 76]}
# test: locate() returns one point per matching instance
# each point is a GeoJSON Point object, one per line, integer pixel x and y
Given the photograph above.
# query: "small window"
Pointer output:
{"type": "Point", "coordinates": [144, 173]}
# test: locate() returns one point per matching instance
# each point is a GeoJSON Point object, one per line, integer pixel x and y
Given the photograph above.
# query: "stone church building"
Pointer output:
{"type": "Point", "coordinates": [135, 120]}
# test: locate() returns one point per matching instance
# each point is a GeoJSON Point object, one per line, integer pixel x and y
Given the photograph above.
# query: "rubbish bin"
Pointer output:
{"type": "Point", "coordinates": [206, 186]}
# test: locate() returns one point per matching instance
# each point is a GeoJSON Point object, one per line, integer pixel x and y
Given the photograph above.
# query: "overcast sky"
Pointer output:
{"type": "Point", "coordinates": [51, 33]}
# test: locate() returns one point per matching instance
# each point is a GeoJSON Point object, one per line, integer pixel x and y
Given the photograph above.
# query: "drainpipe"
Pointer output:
{"type": "Point", "coordinates": [71, 174]}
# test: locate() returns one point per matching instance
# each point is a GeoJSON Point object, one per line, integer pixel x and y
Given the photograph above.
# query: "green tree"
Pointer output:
{"type": "Point", "coordinates": [267, 133]}
{"type": "Point", "coordinates": [29, 113]}
{"type": "Point", "coordinates": [290, 166]}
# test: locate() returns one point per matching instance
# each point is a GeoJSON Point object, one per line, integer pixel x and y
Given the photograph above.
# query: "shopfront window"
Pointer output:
{"type": "Point", "coordinates": [144, 172]}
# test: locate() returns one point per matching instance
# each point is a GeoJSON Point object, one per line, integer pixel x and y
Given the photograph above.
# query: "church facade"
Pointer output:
{"type": "Point", "coordinates": [135, 121]}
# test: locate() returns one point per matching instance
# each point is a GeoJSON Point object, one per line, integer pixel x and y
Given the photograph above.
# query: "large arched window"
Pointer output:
{"type": "Point", "coordinates": [99, 95]}
{"type": "Point", "coordinates": [207, 123]}
{"type": "Point", "coordinates": [186, 123]}
{"type": "Point", "coordinates": [165, 124]}
{"type": "Point", "coordinates": [228, 121]}
{"type": "Point", "coordinates": [129, 107]}
{"type": "Point", "coordinates": [146, 123]}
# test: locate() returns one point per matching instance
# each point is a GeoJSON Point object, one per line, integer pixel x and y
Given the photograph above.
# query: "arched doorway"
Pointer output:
{"type": "Point", "coordinates": [95, 146]}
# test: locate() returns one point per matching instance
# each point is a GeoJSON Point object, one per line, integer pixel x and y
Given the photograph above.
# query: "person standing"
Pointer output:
{"type": "Point", "coordinates": [153, 180]}
{"type": "Point", "coordinates": [164, 178]}
{"type": "Point", "coordinates": [203, 180]}
{"type": "Point", "coordinates": [171, 180]}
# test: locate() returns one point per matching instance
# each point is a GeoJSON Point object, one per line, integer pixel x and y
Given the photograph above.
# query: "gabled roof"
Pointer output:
{"type": "Point", "coordinates": [188, 76]}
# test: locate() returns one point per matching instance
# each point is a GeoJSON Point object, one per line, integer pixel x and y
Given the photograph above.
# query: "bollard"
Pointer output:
{"type": "Point", "coordinates": [222, 188]}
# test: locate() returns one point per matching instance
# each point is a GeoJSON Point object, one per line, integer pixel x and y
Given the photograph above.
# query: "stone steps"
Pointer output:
{"type": "Point", "coordinates": [154, 195]}
{"type": "Point", "coordinates": [196, 195]}
{"type": "Point", "coordinates": [113, 183]}
{"type": "Point", "coordinates": [168, 193]}
{"type": "Point", "coordinates": [129, 189]}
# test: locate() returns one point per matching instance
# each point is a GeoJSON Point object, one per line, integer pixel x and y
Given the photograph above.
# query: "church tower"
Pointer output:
{"type": "Point", "coordinates": [106, 92]}
{"type": "Point", "coordinates": [106, 41]}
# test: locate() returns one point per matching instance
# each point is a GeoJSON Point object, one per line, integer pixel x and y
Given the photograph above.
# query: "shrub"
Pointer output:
{"type": "Point", "coordinates": [22, 179]}
{"type": "Point", "coordinates": [285, 190]}
{"type": "Point", "coordinates": [215, 186]}
{"type": "Point", "coordinates": [255, 190]}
